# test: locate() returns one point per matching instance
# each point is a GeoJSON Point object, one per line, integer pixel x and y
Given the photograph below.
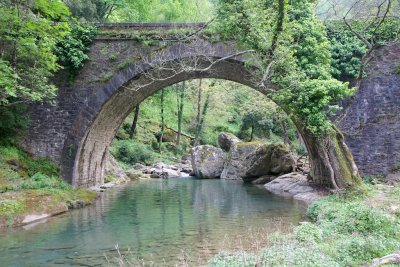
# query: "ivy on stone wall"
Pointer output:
{"type": "Point", "coordinates": [71, 51]}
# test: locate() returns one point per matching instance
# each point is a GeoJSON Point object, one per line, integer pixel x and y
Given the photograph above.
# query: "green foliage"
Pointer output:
{"type": "Point", "coordinates": [398, 69]}
{"type": "Point", "coordinates": [163, 11]}
{"type": "Point", "coordinates": [131, 153]}
{"type": "Point", "coordinates": [347, 51]}
{"type": "Point", "coordinates": [28, 34]}
{"type": "Point", "coordinates": [10, 207]}
{"type": "Point", "coordinates": [344, 232]}
{"type": "Point", "coordinates": [41, 181]}
{"type": "Point", "coordinates": [233, 259]}
{"type": "Point", "coordinates": [308, 232]}
{"type": "Point", "coordinates": [13, 121]}
{"type": "Point", "coordinates": [71, 51]}
{"type": "Point", "coordinates": [299, 60]}
{"type": "Point", "coordinates": [94, 10]}
{"type": "Point", "coordinates": [27, 165]}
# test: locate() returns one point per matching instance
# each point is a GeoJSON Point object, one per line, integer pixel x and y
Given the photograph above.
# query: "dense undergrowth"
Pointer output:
{"type": "Point", "coordinates": [29, 185]}
{"type": "Point", "coordinates": [345, 230]}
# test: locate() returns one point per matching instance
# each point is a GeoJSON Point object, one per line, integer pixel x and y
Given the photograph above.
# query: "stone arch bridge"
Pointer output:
{"type": "Point", "coordinates": [121, 72]}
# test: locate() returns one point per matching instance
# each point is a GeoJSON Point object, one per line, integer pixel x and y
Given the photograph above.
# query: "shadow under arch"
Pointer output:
{"type": "Point", "coordinates": [84, 152]}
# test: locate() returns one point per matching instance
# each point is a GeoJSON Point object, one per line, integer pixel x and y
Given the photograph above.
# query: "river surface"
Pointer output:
{"type": "Point", "coordinates": [155, 223]}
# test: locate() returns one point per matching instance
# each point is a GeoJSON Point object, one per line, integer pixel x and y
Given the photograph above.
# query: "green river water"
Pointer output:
{"type": "Point", "coordinates": [154, 223]}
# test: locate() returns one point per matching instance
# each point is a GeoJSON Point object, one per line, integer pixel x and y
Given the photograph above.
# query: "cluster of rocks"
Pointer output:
{"type": "Point", "coordinates": [161, 170]}
{"type": "Point", "coordinates": [115, 175]}
{"type": "Point", "coordinates": [271, 165]}
{"type": "Point", "coordinates": [236, 160]}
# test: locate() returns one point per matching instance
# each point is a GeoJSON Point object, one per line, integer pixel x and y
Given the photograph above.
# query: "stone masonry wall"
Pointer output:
{"type": "Point", "coordinates": [372, 119]}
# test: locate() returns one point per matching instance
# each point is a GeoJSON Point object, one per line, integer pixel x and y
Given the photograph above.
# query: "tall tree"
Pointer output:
{"type": "Point", "coordinates": [135, 121]}
{"type": "Point", "coordinates": [28, 34]}
{"type": "Point", "coordinates": [202, 119]}
{"type": "Point", "coordinates": [180, 93]}
{"type": "Point", "coordinates": [94, 10]}
{"type": "Point", "coordinates": [199, 96]}
{"type": "Point", "coordinates": [162, 120]}
{"type": "Point", "coordinates": [294, 52]}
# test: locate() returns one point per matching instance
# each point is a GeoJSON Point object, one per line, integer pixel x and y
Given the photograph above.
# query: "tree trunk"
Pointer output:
{"type": "Point", "coordinates": [286, 139]}
{"type": "Point", "coordinates": [134, 122]}
{"type": "Point", "coordinates": [252, 131]}
{"type": "Point", "coordinates": [332, 164]}
{"type": "Point", "coordinates": [181, 97]}
{"type": "Point", "coordinates": [199, 94]}
{"type": "Point", "coordinates": [203, 115]}
{"type": "Point", "coordinates": [162, 120]}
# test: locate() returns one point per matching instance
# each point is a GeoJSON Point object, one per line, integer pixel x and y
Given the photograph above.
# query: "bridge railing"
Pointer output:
{"type": "Point", "coordinates": [148, 26]}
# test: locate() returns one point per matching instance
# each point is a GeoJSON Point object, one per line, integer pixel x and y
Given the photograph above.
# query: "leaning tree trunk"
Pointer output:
{"type": "Point", "coordinates": [134, 122]}
{"type": "Point", "coordinates": [332, 164]}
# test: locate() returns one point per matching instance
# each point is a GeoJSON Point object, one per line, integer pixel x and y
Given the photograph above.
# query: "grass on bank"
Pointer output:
{"type": "Point", "coordinates": [350, 229]}
{"type": "Point", "coordinates": [30, 185]}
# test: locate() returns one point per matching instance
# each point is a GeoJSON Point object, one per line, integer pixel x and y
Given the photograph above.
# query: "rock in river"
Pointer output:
{"type": "Point", "coordinates": [234, 159]}
{"type": "Point", "coordinates": [248, 161]}
{"type": "Point", "coordinates": [207, 161]}
{"type": "Point", "coordinates": [296, 185]}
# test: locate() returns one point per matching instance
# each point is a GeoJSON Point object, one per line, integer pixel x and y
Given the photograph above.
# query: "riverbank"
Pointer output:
{"type": "Point", "coordinates": [31, 190]}
{"type": "Point", "coordinates": [360, 228]}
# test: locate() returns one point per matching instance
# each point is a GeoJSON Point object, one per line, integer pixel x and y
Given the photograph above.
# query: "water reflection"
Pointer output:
{"type": "Point", "coordinates": [158, 221]}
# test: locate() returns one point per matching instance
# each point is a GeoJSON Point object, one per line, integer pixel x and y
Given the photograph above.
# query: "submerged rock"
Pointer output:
{"type": "Point", "coordinates": [227, 140]}
{"type": "Point", "coordinates": [296, 185]}
{"type": "Point", "coordinates": [207, 161]}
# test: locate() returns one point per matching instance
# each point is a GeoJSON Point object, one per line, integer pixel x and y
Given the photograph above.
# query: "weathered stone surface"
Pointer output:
{"type": "Point", "coordinates": [133, 174]}
{"type": "Point", "coordinates": [295, 185]}
{"type": "Point", "coordinates": [371, 119]}
{"type": "Point", "coordinates": [207, 161]}
{"type": "Point", "coordinates": [248, 161]}
{"type": "Point", "coordinates": [232, 167]}
{"type": "Point", "coordinates": [264, 179]}
{"type": "Point", "coordinates": [112, 170]}
{"type": "Point", "coordinates": [227, 140]}
{"type": "Point", "coordinates": [267, 159]}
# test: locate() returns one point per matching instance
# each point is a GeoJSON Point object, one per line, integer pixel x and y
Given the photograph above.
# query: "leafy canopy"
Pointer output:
{"type": "Point", "coordinates": [295, 53]}
{"type": "Point", "coordinates": [28, 33]}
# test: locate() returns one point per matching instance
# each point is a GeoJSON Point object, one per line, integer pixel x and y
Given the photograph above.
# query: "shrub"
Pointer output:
{"type": "Point", "coordinates": [355, 250]}
{"type": "Point", "coordinates": [71, 51]}
{"type": "Point", "coordinates": [13, 121]}
{"type": "Point", "coordinates": [10, 207]}
{"type": "Point", "coordinates": [233, 259]}
{"type": "Point", "coordinates": [292, 253]}
{"type": "Point", "coordinates": [130, 152]}
{"type": "Point", "coordinates": [27, 164]}
{"type": "Point", "coordinates": [41, 181]}
{"type": "Point", "coordinates": [353, 217]}
{"type": "Point", "coordinates": [308, 232]}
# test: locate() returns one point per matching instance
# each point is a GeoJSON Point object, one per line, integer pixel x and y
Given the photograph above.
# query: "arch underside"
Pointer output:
{"type": "Point", "coordinates": [92, 145]}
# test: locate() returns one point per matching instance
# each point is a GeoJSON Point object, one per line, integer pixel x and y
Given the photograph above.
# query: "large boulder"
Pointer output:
{"type": "Point", "coordinates": [267, 159]}
{"type": "Point", "coordinates": [233, 162]}
{"type": "Point", "coordinates": [207, 161]}
{"type": "Point", "coordinates": [227, 140]}
{"type": "Point", "coordinates": [248, 161]}
{"type": "Point", "coordinates": [113, 172]}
